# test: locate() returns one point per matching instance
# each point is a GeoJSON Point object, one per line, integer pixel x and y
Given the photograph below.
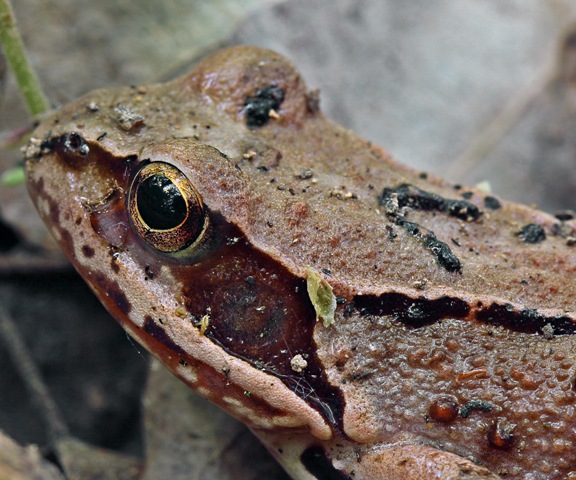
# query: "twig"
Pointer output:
{"type": "Point", "coordinates": [14, 49]}
{"type": "Point", "coordinates": [32, 378]}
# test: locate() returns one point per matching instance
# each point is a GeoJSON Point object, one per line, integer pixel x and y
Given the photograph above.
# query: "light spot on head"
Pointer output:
{"type": "Point", "coordinates": [242, 410]}
{"type": "Point", "coordinates": [188, 374]}
{"type": "Point", "coordinates": [203, 391]}
{"type": "Point", "coordinates": [283, 421]}
{"type": "Point", "coordinates": [232, 401]}
{"type": "Point", "coordinates": [136, 319]}
{"type": "Point", "coordinates": [43, 206]}
{"type": "Point", "coordinates": [56, 233]}
{"type": "Point", "coordinates": [261, 422]}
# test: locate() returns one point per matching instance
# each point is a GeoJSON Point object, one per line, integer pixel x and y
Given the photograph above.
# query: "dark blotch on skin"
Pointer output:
{"type": "Point", "coordinates": [492, 203]}
{"type": "Point", "coordinates": [320, 466]}
{"type": "Point", "coordinates": [565, 215]}
{"type": "Point", "coordinates": [158, 333]}
{"type": "Point", "coordinates": [475, 405]}
{"type": "Point", "coordinates": [444, 256]}
{"type": "Point", "coordinates": [415, 312]}
{"type": "Point", "coordinates": [66, 241]}
{"type": "Point", "coordinates": [115, 298]}
{"type": "Point", "coordinates": [419, 311]}
{"type": "Point", "coordinates": [115, 267]}
{"type": "Point", "coordinates": [88, 251]}
{"type": "Point", "coordinates": [526, 320]}
{"type": "Point", "coordinates": [414, 197]}
{"type": "Point", "coordinates": [531, 233]}
{"type": "Point", "coordinates": [54, 211]}
{"type": "Point", "coordinates": [257, 108]}
{"type": "Point", "coordinates": [395, 199]}
{"type": "Point", "coordinates": [119, 298]}
{"type": "Point", "coordinates": [70, 144]}
{"type": "Point", "coordinates": [149, 272]}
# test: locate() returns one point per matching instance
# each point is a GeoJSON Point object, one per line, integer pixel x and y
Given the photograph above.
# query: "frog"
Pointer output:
{"type": "Point", "coordinates": [365, 320]}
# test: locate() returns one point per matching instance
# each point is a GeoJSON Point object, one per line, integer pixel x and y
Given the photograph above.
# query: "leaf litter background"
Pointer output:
{"type": "Point", "coordinates": [473, 91]}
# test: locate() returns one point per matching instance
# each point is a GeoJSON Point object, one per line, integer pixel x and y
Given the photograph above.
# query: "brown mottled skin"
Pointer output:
{"type": "Point", "coordinates": [433, 368]}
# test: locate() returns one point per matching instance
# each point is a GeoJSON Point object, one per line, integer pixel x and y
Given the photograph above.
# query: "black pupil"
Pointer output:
{"type": "Point", "coordinates": [160, 203]}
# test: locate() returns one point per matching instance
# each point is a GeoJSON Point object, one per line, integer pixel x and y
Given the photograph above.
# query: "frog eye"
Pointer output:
{"type": "Point", "coordinates": [165, 208]}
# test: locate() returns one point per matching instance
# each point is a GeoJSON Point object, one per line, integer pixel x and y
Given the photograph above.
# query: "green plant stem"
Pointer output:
{"type": "Point", "coordinates": [16, 55]}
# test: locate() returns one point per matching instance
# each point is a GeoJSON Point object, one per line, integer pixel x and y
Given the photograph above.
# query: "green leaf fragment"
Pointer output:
{"type": "Point", "coordinates": [321, 296]}
{"type": "Point", "coordinates": [13, 177]}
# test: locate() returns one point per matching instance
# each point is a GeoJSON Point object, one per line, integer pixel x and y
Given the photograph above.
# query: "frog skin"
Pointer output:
{"type": "Point", "coordinates": [207, 213]}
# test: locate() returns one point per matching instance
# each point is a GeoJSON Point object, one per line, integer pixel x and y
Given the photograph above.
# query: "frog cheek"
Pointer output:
{"type": "Point", "coordinates": [166, 210]}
